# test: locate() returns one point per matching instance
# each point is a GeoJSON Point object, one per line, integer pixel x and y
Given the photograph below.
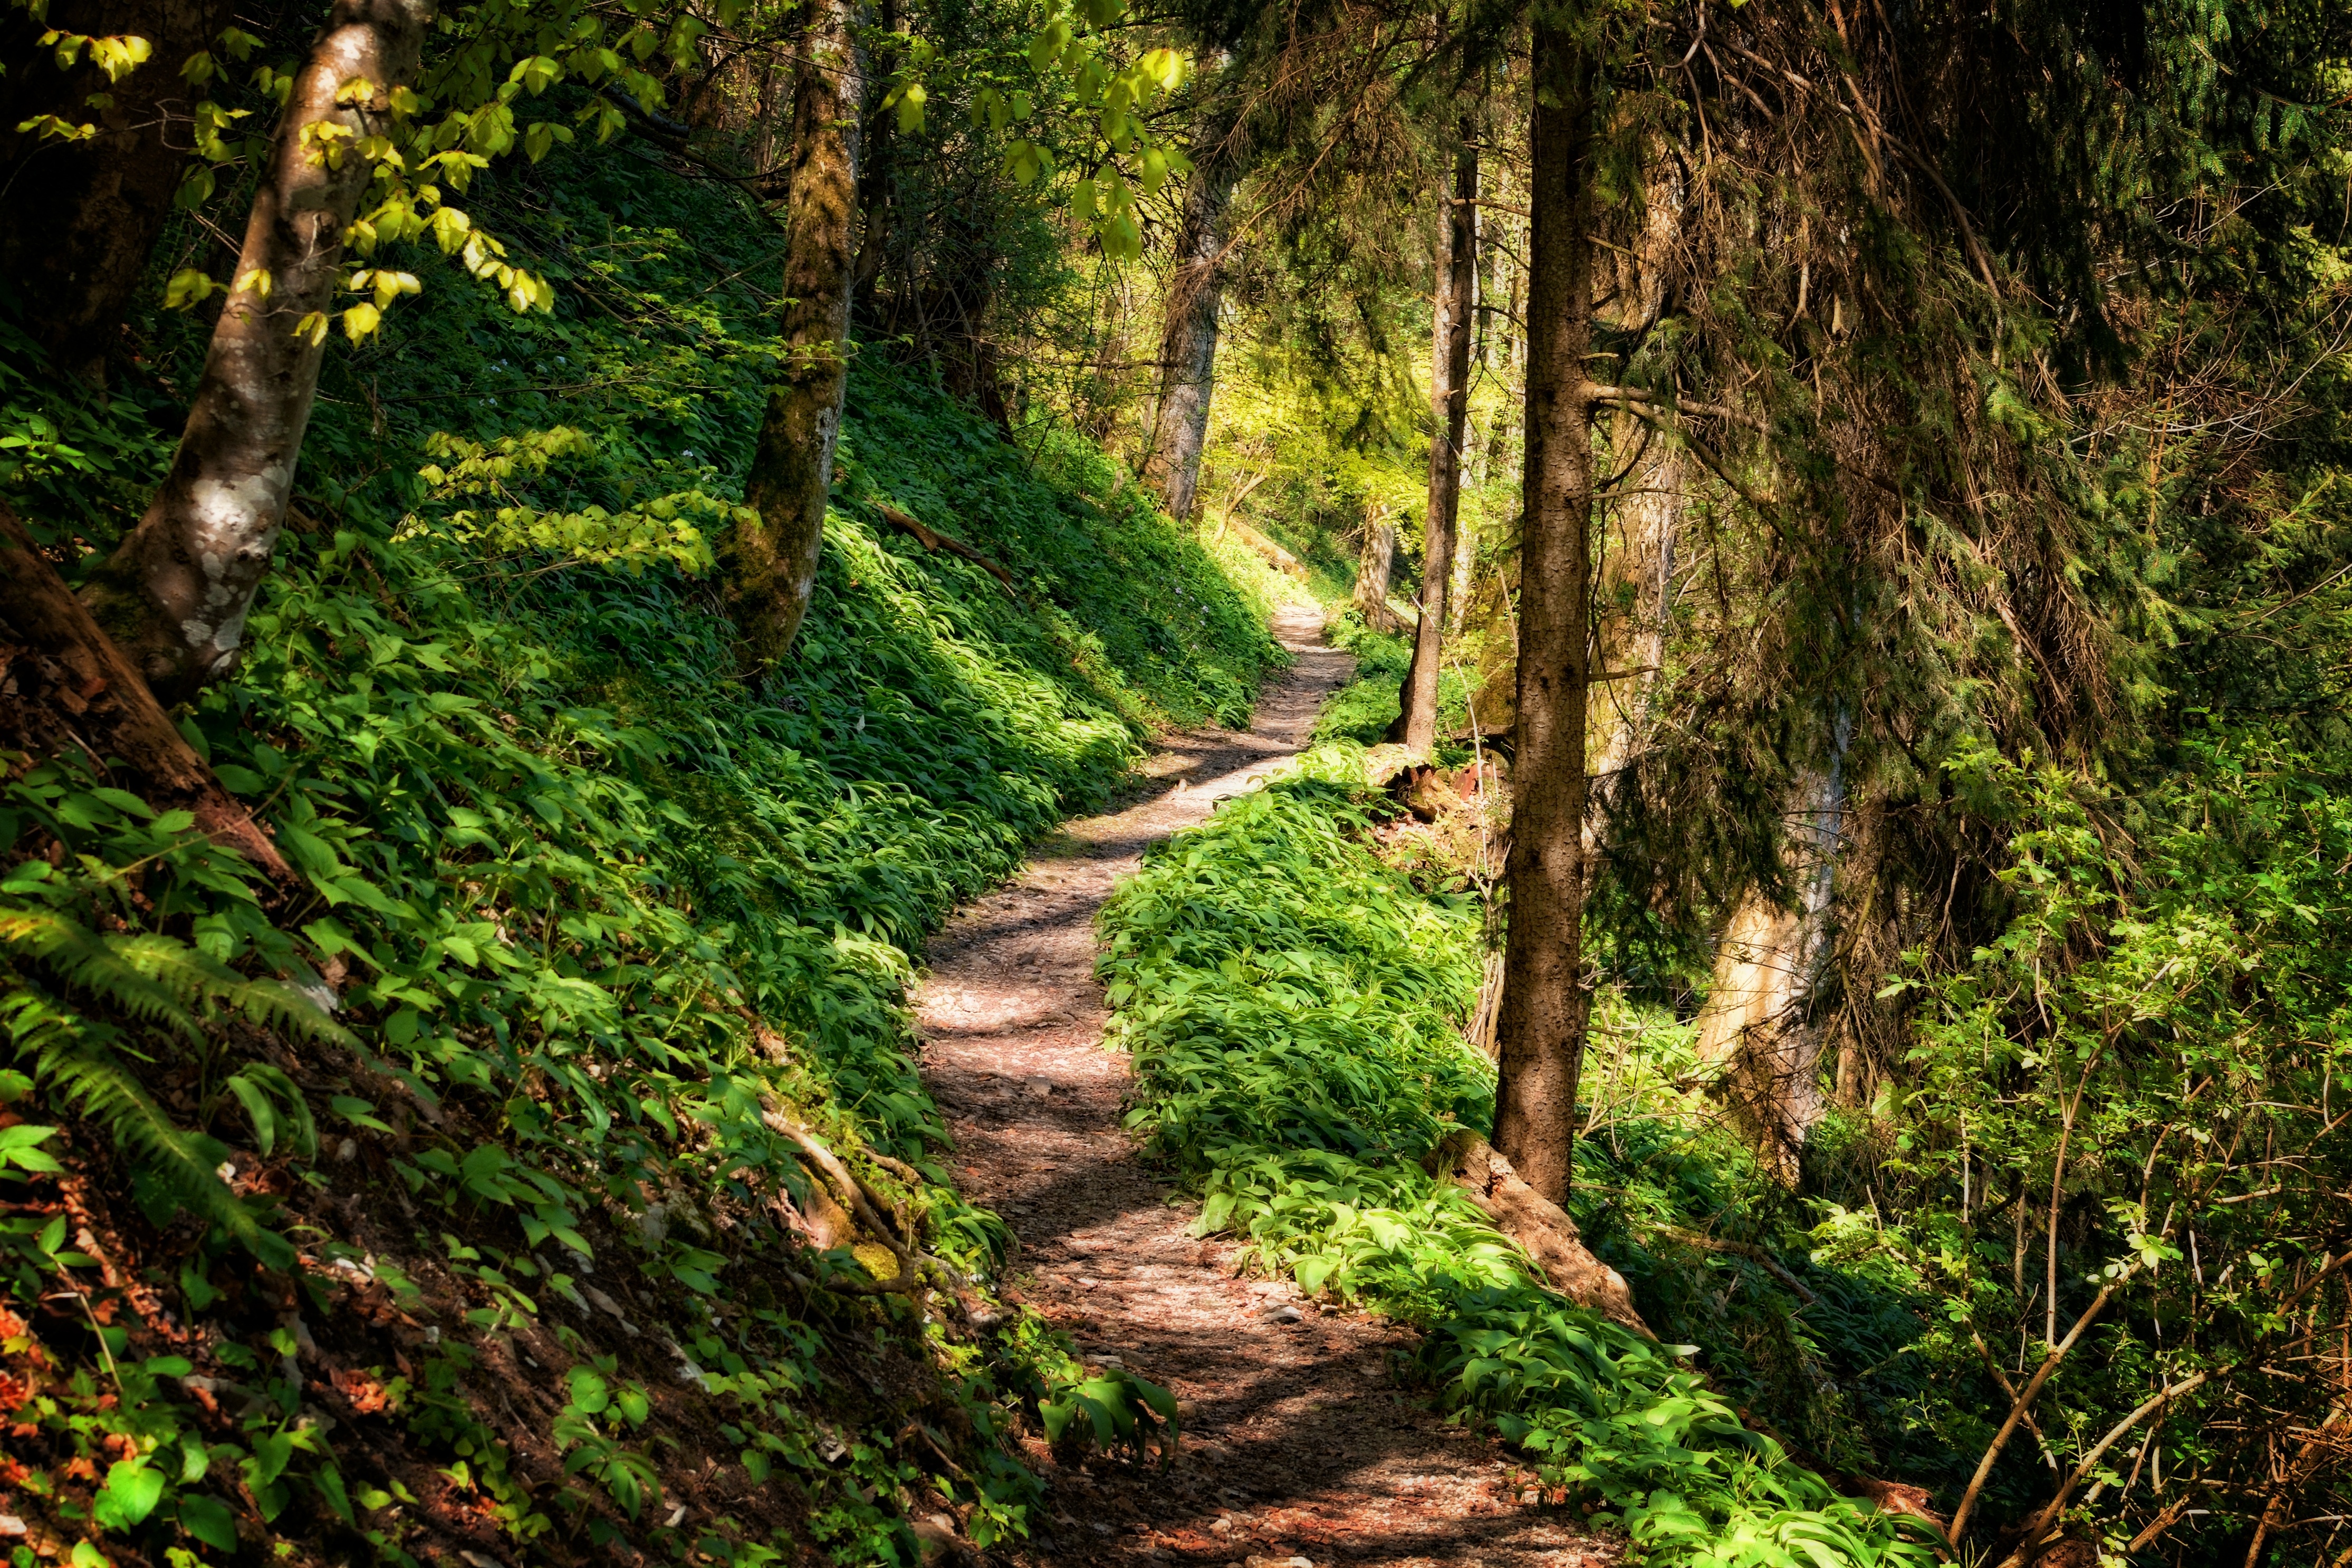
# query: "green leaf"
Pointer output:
{"type": "Point", "coordinates": [131, 1491]}
{"type": "Point", "coordinates": [209, 1521]}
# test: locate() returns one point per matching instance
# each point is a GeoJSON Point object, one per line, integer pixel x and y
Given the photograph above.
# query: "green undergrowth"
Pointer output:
{"type": "Point", "coordinates": [1293, 1007]}
{"type": "Point", "coordinates": [1362, 710]}
{"type": "Point", "coordinates": [448, 1200]}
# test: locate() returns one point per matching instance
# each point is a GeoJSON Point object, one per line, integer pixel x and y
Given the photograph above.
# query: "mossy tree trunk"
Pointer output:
{"type": "Point", "coordinates": [175, 593]}
{"type": "Point", "coordinates": [769, 565]}
{"type": "Point", "coordinates": [1541, 1029]}
{"type": "Point", "coordinates": [77, 218]}
{"type": "Point", "coordinates": [1449, 405]}
{"type": "Point", "coordinates": [1188, 336]}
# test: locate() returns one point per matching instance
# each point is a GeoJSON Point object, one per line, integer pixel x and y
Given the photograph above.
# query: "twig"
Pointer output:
{"type": "Point", "coordinates": [931, 538]}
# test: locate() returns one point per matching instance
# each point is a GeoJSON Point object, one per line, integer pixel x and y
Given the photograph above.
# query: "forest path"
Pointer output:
{"type": "Point", "coordinates": [1300, 1445]}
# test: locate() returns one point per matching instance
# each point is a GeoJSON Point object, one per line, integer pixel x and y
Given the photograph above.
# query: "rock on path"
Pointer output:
{"type": "Point", "coordinates": [1300, 1445]}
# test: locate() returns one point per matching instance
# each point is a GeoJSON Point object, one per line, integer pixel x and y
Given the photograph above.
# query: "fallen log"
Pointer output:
{"type": "Point", "coordinates": [1538, 1225]}
{"type": "Point", "coordinates": [930, 538]}
{"type": "Point", "coordinates": [64, 685]}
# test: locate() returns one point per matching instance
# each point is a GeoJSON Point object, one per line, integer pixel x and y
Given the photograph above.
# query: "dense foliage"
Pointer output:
{"type": "Point", "coordinates": [1293, 1007]}
{"type": "Point", "coordinates": [583, 912]}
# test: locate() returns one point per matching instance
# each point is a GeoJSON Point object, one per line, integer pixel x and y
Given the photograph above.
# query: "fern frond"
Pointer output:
{"type": "Point", "coordinates": [92, 964]}
{"type": "Point", "coordinates": [198, 978]}
{"type": "Point", "coordinates": [71, 1061]}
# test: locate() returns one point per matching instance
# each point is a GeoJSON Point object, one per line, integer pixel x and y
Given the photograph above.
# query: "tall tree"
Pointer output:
{"type": "Point", "coordinates": [79, 212]}
{"type": "Point", "coordinates": [1188, 334]}
{"type": "Point", "coordinates": [1449, 405]}
{"type": "Point", "coordinates": [1540, 1031]}
{"type": "Point", "coordinates": [175, 593]}
{"type": "Point", "coordinates": [770, 563]}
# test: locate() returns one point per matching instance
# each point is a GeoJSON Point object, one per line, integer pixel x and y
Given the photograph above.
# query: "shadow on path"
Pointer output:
{"type": "Point", "coordinates": [1301, 1442]}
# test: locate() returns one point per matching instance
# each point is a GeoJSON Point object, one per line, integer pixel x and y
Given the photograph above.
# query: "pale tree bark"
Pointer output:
{"type": "Point", "coordinates": [175, 594]}
{"type": "Point", "coordinates": [79, 218]}
{"type": "Point", "coordinates": [1449, 404]}
{"type": "Point", "coordinates": [769, 565]}
{"type": "Point", "coordinates": [1638, 559]}
{"type": "Point", "coordinates": [1759, 1031]}
{"type": "Point", "coordinates": [1375, 565]}
{"type": "Point", "coordinates": [1541, 1028]}
{"type": "Point", "coordinates": [1188, 336]}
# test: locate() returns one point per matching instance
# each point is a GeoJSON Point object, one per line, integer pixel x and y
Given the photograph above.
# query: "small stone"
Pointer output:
{"type": "Point", "coordinates": [11, 1525]}
{"type": "Point", "coordinates": [1284, 1314]}
{"type": "Point", "coordinates": [1040, 1086]}
{"type": "Point", "coordinates": [936, 1537]}
{"type": "Point", "coordinates": [348, 1149]}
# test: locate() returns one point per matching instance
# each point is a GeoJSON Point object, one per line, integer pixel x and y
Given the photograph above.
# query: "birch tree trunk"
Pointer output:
{"type": "Point", "coordinates": [1187, 337]}
{"type": "Point", "coordinates": [1759, 1030]}
{"type": "Point", "coordinates": [770, 566]}
{"type": "Point", "coordinates": [175, 594]}
{"type": "Point", "coordinates": [1541, 1028]}
{"type": "Point", "coordinates": [1449, 403]}
{"type": "Point", "coordinates": [79, 218]}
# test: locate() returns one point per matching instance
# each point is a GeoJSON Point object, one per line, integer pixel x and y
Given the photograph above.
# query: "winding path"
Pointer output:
{"type": "Point", "coordinates": [1301, 1446]}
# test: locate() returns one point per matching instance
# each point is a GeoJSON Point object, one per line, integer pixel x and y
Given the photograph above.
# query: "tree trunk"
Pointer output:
{"type": "Point", "coordinates": [175, 596]}
{"type": "Point", "coordinates": [79, 218]}
{"type": "Point", "coordinates": [770, 564]}
{"type": "Point", "coordinates": [1759, 1030]}
{"type": "Point", "coordinates": [1541, 1030]}
{"type": "Point", "coordinates": [1638, 565]}
{"type": "Point", "coordinates": [1187, 337]}
{"type": "Point", "coordinates": [1449, 403]}
{"type": "Point", "coordinates": [1374, 566]}
{"type": "Point", "coordinates": [64, 686]}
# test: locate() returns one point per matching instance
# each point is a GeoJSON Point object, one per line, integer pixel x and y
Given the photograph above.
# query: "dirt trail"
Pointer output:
{"type": "Point", "coordinates": [1300, 1444]}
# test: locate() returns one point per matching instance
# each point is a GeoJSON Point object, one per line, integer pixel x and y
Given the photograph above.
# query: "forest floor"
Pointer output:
{"type": "Point", "coordinates": [1301, 1446]}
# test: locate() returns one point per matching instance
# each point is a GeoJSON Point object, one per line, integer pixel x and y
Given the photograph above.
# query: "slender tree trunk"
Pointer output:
{"type": "Point", "coordinates": [79, 218]}
{"type": "Point", "coordinates": [1541, 1029]}
{"type": "Point", "coordinates": [1760, 1026]}
{"type": "Point", "coordinates": [1187, 337]}
{"type": "Point", "coordinates": [770, 564]}
{"type": "Point", "coordinates": [175, 594]}
{"type": "Point", "coordinates": [65, 686]}
{"type": "Point", "coordinates": [1449, 403]}
{"type": "Point", "coordinates": [874, 168]}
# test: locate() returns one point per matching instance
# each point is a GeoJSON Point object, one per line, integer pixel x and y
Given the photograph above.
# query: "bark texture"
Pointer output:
{"type": "Point", "coordinates": [1637, 567]}
{"type": "Point", "coordinates": [1541, 1028]}
{"type": "Point", "coordinates": [770, 566]}
{"type": "Point", "coordinates": [65, 686]}
{"type": "Point", "coordinates": [1537, 1224]}
{"type": "Point", "coordinates": [1449, 404]}
{"type": "Point", "coordinates": [1375, 565]}
{"type": "Point", "coordinates": [176, 593]}
{"type": "Point", "coordinates": [1760, 1031]}
{"type": "Point", "coordinates": [78, 219]}
{"type": "Point", "coordinates": [1188, 336]}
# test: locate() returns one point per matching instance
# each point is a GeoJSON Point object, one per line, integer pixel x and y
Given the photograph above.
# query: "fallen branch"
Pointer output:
{"type": "Point", "coordinates": [64, 683]}
{"type": "Point", "coordinates": [914, 1266]}
{"type": "Point", "coordinates": [1747, 1249]}
{"type": "Point", "coordinates": [932, 539]}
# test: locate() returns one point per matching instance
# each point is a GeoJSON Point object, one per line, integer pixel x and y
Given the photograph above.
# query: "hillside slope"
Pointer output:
{"type": "Point", "coordinates": [486, 1197]}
